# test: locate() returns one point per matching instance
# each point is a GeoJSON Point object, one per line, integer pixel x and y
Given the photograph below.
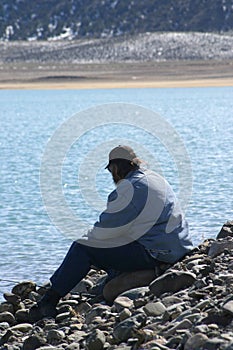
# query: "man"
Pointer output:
{"type": "Point", "coordinates": [141, 227]}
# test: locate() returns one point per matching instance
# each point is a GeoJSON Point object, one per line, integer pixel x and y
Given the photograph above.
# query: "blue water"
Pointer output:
{"type": "Point", "coordinates": [31, 247]}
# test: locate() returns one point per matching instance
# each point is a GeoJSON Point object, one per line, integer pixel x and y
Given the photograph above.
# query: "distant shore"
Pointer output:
{"type": "Point", "coordinates": [167, 74]}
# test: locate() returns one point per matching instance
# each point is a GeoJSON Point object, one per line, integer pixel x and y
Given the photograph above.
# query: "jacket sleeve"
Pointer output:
{"type": "Point", "coordinates": [119, 215]}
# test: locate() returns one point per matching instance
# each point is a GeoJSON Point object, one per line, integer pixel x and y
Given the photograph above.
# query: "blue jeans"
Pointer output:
{"type": "Point", "coordinates": [80, 258]}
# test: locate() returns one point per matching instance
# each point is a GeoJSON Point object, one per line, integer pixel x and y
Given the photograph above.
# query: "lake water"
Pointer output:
{"type": "Point", "coordinates": [31, 247]}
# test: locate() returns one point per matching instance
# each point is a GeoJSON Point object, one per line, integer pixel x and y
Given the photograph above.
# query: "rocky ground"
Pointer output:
{"type": "Point", "coordinates": [188, 307]}
{"type": "Point", "coordinates": [139, 48]}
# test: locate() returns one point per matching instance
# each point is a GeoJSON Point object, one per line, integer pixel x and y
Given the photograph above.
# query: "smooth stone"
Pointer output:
{"type": "Point", "coordinates": [154, 309]}
{"type": "Point", "coordinates": [218, 247]}
{"type": "Point", "coordinates": [96, 340]}
{"type": "Point", "coordinates": [54, 336]}
{"type": "Point", "coordinates": [33, 342]}
{"type": "Point", "coordinates": [136, 293]}
{"type": "Point", "coordinates": [185, 324]}
{"type": "Point", "coordinates": [127, 281]}
{"type": "Point", "coordinates": [12, 298]}
{"type": "Point", "coordinates": [96, 311]}
{"type": "Point", "coordinates": [22, 327]}
{"type": "Point", "coordinates": [83, 286]}
{"type": "Point", "coordinates": [172, 281]}
{"type": "Point", "coordinates": [6, 307]}
{"type": "Point", "coordinates": [22, 315]}
{"type": "Point", "coordinates": [73, 346]}
{"type": "Point", "coordinates": [228, 306]}
{"type": "Point", "coordinates": [214, 344]}
{"type": "Point", "coordinates": [63, 316]}
{"type": "Point", "coordinates": [226, 230]}
{"type": "Point", "coordinates": [83, 308]}
{"type": "Point", "coordinates": [125, 313]}
{"type": "Point", "coordinates": [125, 329]}
{"type": "Point", "coordinates": [24, 288]}
{"type": "Point", "coordinates": [4, 326]}
{"type": "Point", "coordinates": [7, 317]}
{"type": "Point", "coordinates": [171, 300]}
{"type": "Point", "coordinates": [122, 302]}
{"type": "Point", "coordinates": [76, 336]}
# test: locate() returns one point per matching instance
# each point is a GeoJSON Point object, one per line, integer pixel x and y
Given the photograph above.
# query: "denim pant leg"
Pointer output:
{"type": "Point", "coordinates": [73, 269]}
{"type": "Point", "coordinates": [78, 261]}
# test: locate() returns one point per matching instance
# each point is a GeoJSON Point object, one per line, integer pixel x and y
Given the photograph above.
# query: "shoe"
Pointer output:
{"type": "Point", "coordinates": [46, 307]}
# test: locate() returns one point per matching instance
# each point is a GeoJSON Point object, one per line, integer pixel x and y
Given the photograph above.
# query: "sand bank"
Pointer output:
{"type": "Point", "coordinates": [166, 74]}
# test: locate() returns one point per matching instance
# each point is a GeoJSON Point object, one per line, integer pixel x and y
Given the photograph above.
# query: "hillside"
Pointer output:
{"type": "Point", "coordinates": [74, 19]}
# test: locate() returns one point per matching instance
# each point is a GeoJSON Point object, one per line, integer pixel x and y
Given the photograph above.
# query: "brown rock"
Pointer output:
{"type": "Point", "coordinates": [23, 289]}
{"type": "Point", "coordinates": [12, 298]}
{"type": "Point", "coordinates": [172, 281]}
{"type": "Point", "coordinates": [127, 281]}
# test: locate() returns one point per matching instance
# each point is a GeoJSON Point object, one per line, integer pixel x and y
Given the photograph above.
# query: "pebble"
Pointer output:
{"type": "Point", "coordinates": [178, 310]}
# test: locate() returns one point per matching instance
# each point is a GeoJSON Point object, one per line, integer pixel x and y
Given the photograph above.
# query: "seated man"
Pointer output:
{"type": "Point", "coordinates": [141, 227]}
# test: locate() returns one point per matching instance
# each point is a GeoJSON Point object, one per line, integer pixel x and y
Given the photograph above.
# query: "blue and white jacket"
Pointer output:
{"type": "Point", "coordinates": [143, 208]}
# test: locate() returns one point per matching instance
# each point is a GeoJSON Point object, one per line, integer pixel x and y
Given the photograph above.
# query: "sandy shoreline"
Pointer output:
{"type": "Point", "coordinates": [168, 74]}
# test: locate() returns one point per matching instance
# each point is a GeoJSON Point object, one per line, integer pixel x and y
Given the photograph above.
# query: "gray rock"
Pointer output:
{"type": "Point", "coordinates": [171, 300]}
{"type": "Point", "coordinates": [218, 247]}
{"type": "Point", "coordinates": [125, 313]}
{"type": "Point", "coordinates": [196, 342]}
{"type": "Point", "coordinates": [214, 344]}
{"type": "Point", "coordinates": [125, 329]}
{"type": "Point", "coordinates": [7, 317]}
{"type": "Point", "coordinates": [96, 340]}
{"type": "Point", "coordinates": [226, 230]}
{"type": "Point", "coordinates": [154, 309]}
{"type": "Point", "coordinates": [136, 293]}
{"type": "Point", "coordinates": [12, 298]}
{"type": "Point", "coordinates": [22, 315]}
{"type": "Point", "coordinates": [33, 342]}
{"type": "Point", "coordinates": [54, 337]}
{"type": "Point", "coordinates": [73, 346]}
{"type": "Point", "coordinates": [123, 302]}
{"type": "Point", "coordinates": [96, 311]}
{"type": "Point", "coordinates": [83, 286]}
{"type": "Point", "coordinates": [82, 308]}
{"type": "Point", "coordinates": [228, 306]}
{"type": "Point", "coordinates": [63, 316]}
{"type": "Point", "coordinates": [185, 324]}
{"type": "Point", "coordinates": [22, 327]}
{"type": "Point", "coordinates": [172, 281]}
{"type": "Point", "coordinates": [6, 307]}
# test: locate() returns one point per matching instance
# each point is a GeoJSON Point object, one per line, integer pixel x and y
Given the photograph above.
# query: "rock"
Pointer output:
{"type": "Point", "coordinates": [73, 346]}
{"type": "Point", "coordinates": [218, 247]}
{"type": "Point", "coordinates": [33, 342]}
{"type": "Point", "coordinates": [228, 306]}
{"type": "Point", "coordinates": [122, 302]}
{"type": "Point", "coordinates": [83, 286]}
{"type": "Point", "coordinates": [82, 308]}
{"type": "Point", "coordinates": [154, 309]}
{"type": "Point", "coordinates": [22, 327]}
{"type": "Point", "coordinates": [172, 281]}
{"type": "Point", "coordinates": [7, 317]}
{"type": "Point", "coordinates": [185, 324]}
{"type": "Point", "coordinates": [127, 281]}
{"type": "Point", "coordinates": [22, 316]}
{"type": "Point", "coordinates": [136, 293]}
{"type": "Point", "coordinates": [171, 300]}
{"type": "Point", "coordinates": [6, 307]}
{"type": "Point", "coordinates": [125, 329]}
{"type": "Point", "coordinates": [125, 313]}
{"type": "Point", "coordinates": [226, 230]}
{"type": "Point", "coordinates": [54, 337]}
{"type": "Point", "coordinates": [214, 344]}
{"type": "Point", "coordinates": [23, 289]}
{"type": "Point", "coordinates": [12, 298]}
{"type": "Point", "coordinates": [96, 311]}
{"type": "Point", "coordinates": [96, 340]}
